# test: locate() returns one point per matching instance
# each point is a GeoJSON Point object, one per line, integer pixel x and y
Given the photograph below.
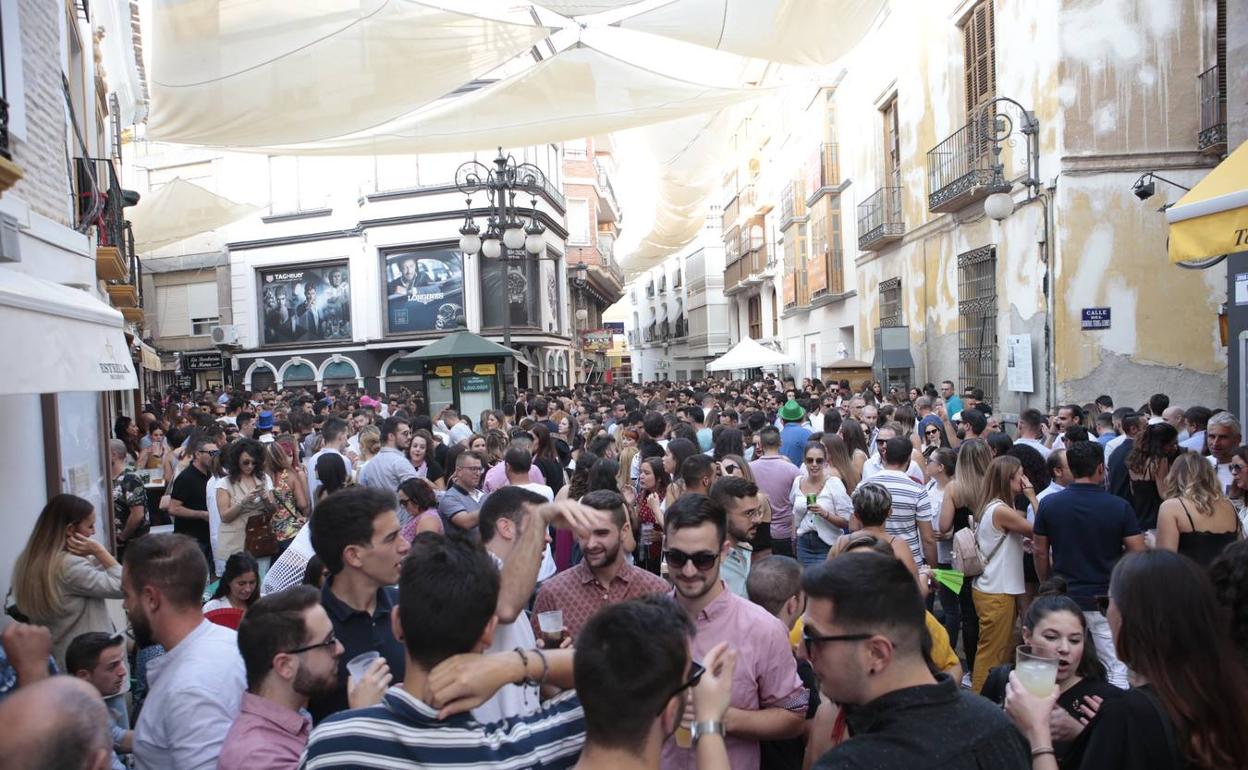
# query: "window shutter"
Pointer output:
{"type": "Point", "coordinates": [988, 60]}
{"type": "Point", "coordinates": [172, 318]}
{"type": "Point", "coordinates": [201, 300]}
{"type": "Point", "coordinates": [968, 48]}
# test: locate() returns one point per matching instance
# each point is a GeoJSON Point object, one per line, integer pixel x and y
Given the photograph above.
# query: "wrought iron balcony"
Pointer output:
{"type": "Point", "coordinates": [1212, 138]}
{"type": "Point", "coordinates": [880, 221]}
{"type": "Point", "coordinates": [959, 168]}
{"type": "Point", "coordinates": [822, 172]}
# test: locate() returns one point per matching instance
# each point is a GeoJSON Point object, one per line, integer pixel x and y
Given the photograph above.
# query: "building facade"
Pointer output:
{"type": "Point", "coordinates": [69, 293]}
{"type": "Point", "coordinates": [1070, 294]}
{"type": "Point", "coordinates": [679, 314]}
{"type": "Point", "coordinates": [349, 264]}
{"type": "Point", "coordinates": [594, 220]}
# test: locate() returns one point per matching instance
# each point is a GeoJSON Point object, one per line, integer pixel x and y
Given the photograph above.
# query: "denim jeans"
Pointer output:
{"type": "Point", "coordinates": [811, 549]}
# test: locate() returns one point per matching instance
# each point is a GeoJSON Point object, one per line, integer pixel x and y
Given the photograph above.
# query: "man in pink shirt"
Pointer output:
{"type": "Point", "coordinates": [497, 476]}
{"type": "Point", "coordinates": [768, 698]}
{"type": "Point", "coordinates": [288, 646]}
{"type": "Point", "coordinates": [774, 475]}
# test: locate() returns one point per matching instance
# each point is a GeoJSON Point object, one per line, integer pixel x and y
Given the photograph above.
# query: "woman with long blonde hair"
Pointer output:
{"type": "Point", "coordinates": [1000, 530]}
{"type": "Point", "coordinates": [1195, 520]}
{"type": "Point", "coordinates": [840, 464]}
{"type": "Point", "coordinates": [63, 575]}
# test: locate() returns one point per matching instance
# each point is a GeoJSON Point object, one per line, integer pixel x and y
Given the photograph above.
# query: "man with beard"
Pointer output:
{"type": "Point", "coordinates": [740, 501]}
{"type": "Point", "coordinates": [768, 699]}
{"type": "Point", "coordinates": [290, 651]}
{"type": "Point", "coordinates": [602, 577]}
{"type": "Point", "coordinates": [197, 685]}
{"type": "Point", "coordinates": [390, 467]}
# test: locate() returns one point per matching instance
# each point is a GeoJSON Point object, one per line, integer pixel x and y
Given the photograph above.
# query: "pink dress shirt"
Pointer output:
{"type": "Point", "coordinates": [497, 477]}
{"type": "Point", "coordinates": [265, 736]}
{"type": "Point", "coordinates": [765, 677]}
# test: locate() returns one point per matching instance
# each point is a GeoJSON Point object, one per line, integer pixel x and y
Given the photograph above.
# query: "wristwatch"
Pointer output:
{"type": "Point", "coordinates": [699, 729]}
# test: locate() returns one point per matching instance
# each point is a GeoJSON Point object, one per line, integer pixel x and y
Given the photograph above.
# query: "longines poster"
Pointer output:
{"type": "Point", "coordinates": [424, 290]}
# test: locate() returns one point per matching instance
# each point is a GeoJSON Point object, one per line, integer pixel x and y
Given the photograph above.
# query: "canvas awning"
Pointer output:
{"type": "Point", "coordinates": [245, 73]}
{"type": "Point", "coordinates": [60, 339]}
{"type": "Point", "coordinates": [1212, 218]}
{"type": "Point", "coordinates": [180, 210]}
{"type": "Point", "coordinates": [460, 345]}
{"type": "Point", "coordinates": [749, 354]}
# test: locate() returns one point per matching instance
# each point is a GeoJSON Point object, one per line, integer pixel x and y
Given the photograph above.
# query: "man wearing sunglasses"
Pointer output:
{"type": "Point", "coordinates": [188, 503]}
{"type": "Point", "coordinates": [288, 645]}
{"type": "Point", "coordinates": [866, 647]}
{"type": "Point", "coordinates": [768, 699]}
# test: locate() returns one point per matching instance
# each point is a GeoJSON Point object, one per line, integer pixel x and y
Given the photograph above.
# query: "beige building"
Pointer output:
{"type": "Point", "coordinates": [1110, 90]}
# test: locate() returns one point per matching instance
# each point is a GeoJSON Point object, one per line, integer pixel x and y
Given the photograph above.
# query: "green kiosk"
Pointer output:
{"type": "Point", "coordinates": [462, 370]}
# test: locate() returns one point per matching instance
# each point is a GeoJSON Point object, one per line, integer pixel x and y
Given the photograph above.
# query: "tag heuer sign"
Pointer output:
{"type": "Point", "coordinates": [201, 362]}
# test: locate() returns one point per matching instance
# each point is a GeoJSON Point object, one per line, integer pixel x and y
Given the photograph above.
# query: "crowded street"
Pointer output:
{"type": "Point", "coordinates": [624, 384]}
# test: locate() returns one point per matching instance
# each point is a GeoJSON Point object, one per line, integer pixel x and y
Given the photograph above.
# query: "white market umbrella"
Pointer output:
{"type": "Point", "coordinates": [748, 354]}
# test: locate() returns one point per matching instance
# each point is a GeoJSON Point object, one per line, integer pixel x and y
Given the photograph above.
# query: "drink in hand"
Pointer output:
{"type": "Point", "coordinates": [1036, 672]}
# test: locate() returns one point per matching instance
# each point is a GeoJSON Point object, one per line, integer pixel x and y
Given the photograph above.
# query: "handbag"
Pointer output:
{"type": "Point", "coordinates": [259, 540]}
{"type": "Point", "coordinates": [968, 557]}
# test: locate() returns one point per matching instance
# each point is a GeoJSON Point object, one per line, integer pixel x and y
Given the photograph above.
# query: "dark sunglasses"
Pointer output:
{"type": "Point", "coordinates": [814, 460]}
{"type": "Point", "coordinates": [932, 431]}
{"type": "Point", "coordinates": [1237, 468]}
{"type": "Point", "coordinates": [330, 642]}
{"type": "Point", "coordinates": [702, 560]}
{"type": "Point", "coordinates": [731, 469]}
{"type": "Point", "coordinates": [696, 670]}
{"type": "Point", "coordinates": [210, 452]}
{"type": "Point", "coordinates": [810, 638]}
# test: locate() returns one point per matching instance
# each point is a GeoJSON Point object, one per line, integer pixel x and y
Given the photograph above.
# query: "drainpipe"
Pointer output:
{"type": "Point", "coordinates": [1046, 248]}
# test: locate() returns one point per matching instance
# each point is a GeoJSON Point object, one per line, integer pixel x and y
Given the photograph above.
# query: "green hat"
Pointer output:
{"type": "Point", "coordinates": [792, 411]}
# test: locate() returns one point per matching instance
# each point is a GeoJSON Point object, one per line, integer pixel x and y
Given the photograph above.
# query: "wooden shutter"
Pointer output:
{"type": "Point", "coordinates": [979, 55]}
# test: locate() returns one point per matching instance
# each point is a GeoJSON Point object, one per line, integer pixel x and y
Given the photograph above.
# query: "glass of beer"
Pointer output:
{"type": "Point", "coordinates": [551, 625]}
{"type": "Point", "coordinates": [1037, 672]}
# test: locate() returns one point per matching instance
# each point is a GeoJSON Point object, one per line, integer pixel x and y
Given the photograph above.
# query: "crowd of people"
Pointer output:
{"type": "Point", "coordinates": [715, 574]}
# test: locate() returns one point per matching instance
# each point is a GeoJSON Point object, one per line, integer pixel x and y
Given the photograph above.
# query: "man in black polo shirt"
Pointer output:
{"type": "Point", "coordinates": [866, 647]}
{"type": "Point", "coordinates": [188, 500]}
{"type": "Point", "coordinates": [1088, 529]}
{"type": "Point", "coordinates": [356, 533]}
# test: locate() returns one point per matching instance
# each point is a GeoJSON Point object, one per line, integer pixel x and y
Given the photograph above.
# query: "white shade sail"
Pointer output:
{"type": "Point", "coordinates": [579, 92]}
{"type": "Point", "coordinates": [180, 210]}
{"type": "Point", "coordinates": [786, 31]}
{"type": "Point", "coordinates": [584, 7]}
{"type": "Point", "coordinates": [256, 72]}
{"type": "Point", "coordinates": [61, 338]}
{"type": "Point", "coordinates": [748, 354]}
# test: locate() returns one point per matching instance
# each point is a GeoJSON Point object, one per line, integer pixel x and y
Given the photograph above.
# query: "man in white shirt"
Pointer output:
{"type": "Point", "coordinates": [1031, 431]}
{"type": "Point", "coordinates": [514, 528]}
{"type": "Point", "coordinates": [875, 463]}
{"type": "Point", "coordinates": [1060, 473]}
{"type": "Point", "coordinates": [1223, 434]}
{"type": "Point", "coordinates": [457, 429]}
{"type": "Point", "coordinates": [334, 434]}
{"type": "Point", "coordinates": [198, 684]}
{"type": "Point", "coordinates": [517, 463]}
{"type": "Point", "coordinates": [1196, 419]}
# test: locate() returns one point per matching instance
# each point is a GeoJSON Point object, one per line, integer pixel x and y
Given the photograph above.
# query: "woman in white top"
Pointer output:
{"type": "Point", "coordinates": [238, 586]}
{"type": "Point", "coordinates": [63, 575]}
{"type": "Point", "coordinates": [1000, 530]}
{"type": "Point", "coordinates": [242, 496]}
{"type": "Point", "coordinates": [821, 506]}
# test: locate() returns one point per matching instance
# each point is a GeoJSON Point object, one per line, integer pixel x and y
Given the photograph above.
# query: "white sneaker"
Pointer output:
{"type": "Point", "coordinates": [966, 681]}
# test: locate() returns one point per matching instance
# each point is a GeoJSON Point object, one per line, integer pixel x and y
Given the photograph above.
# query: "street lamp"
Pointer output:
{"type": "Point", "coordinates": [997, 127]}
{"type": "Point", "coordinates": [507, 236]}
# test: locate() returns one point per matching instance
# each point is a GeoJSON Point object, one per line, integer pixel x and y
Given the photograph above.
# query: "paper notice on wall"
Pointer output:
{"type": "Point", "coordinates": [79, 480]}
{"type": "Point", "coordinates": [1018, 372]}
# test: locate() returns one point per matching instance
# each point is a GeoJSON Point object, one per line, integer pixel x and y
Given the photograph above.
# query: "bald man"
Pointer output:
{"type": "Point", "coordinates": [59, 722]}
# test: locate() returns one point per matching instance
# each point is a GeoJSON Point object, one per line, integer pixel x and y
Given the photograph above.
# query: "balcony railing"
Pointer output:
{"type": "Point", "coordinates": [730, 213]}
{"type": "Point", "coordinates": [880, 221]}
{"type": "Point", "coordinates": [792, 205]}
{"type": "Point", "coordinates": [99, 201]}
{"type": "Point", "coordinates": [958, 172]}
{"type": "Point", "coordinates": [822, 172]}
{"type": "Point", "coordinates": [1212, 139]}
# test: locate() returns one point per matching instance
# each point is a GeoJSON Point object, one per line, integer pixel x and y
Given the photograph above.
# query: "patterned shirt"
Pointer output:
{"type": "Point", "coordinates": [579, 594]}
{"type": "Point", "coordinates": [910, 506]}
{"type": "Point", "coordinates": [403, 731]}
{"type": "Point", "coordinates": [128, 491]}
{"type": "Point", "coordinates": [765, 677]}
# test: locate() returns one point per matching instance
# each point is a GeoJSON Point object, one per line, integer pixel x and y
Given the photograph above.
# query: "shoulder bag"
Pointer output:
{"type": "Point", "coordinates": [968, 558]}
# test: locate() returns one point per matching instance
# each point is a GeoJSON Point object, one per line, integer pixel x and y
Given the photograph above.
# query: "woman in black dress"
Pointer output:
{"type": "Point", "coordinates": [1055, 626]}
{"type": "Point", "coordinates": [1187, 708]}
{"type": "Point", "coordinates": [1148, 466]}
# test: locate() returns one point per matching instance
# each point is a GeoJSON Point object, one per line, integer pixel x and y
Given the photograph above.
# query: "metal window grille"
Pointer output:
{"type": "Point", "coordinates": [977, 320]}
{"type": "Point", "coordinates": [890, 302]}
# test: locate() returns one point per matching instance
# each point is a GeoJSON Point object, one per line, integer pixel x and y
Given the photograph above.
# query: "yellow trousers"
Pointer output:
{"type": "Point", "coordinates": [996, 633]}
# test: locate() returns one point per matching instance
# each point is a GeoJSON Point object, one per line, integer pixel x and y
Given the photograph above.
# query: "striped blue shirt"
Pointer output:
{"type": "Point", "coordinates": [402, 731]}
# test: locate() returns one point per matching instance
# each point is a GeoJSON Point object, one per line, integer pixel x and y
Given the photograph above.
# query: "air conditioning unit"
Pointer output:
{"type": "Point", "coordinates": [225, 335]}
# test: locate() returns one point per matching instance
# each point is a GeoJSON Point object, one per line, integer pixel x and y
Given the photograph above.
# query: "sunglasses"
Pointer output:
{"type": "Point", "coordinates": [1235, 469]}
{"type": "Point", "coordinates": [330, 642]}
{"type": "Point", "coordinates": [810, 639]}
{"type": "Point", "coordinates": [932, 432]}
{"type": "Point", "coordinates": [210, 452]}
{"type": "Point", "coordinates": [731, 469]}
{"type": "Point", "coordinates": [702, 560]}
{"type": "Point", "coordinates": [814, 461]}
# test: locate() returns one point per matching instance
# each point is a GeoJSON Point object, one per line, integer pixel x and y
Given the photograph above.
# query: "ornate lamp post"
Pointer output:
{"type": "Point", "coordinates": [507, 237]}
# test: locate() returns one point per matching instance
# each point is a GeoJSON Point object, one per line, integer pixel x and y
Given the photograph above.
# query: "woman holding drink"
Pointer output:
{"type": "Point", "coordinates": [821, 506]}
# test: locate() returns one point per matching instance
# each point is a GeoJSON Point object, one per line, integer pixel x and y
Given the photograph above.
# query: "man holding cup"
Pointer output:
{"type": "Point", "coordinates": [603, 577]}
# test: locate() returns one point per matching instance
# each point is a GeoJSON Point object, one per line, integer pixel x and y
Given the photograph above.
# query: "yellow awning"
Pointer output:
{"type": "Point", "coordinates": [1212, 219]}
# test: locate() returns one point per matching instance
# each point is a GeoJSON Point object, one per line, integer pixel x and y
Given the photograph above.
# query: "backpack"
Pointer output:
{"type": "Point", "coordinates": [968, 557]}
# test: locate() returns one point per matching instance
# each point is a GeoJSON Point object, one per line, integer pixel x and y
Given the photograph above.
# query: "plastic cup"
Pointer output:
{"type": "Point", "coordinates": [1036, 672]}
{"type": "Point", "coordinates": [684, 737]}
{"type": "Point", "coordinates": [358, 665]}
{"type": "Point", "coordinates": [551, 625]}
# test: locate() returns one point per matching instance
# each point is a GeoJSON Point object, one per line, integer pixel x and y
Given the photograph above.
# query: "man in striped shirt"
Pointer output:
{"type": "Point", "coordinates": [912, 514]}
{"type": "Point", "coordinates": [448, 593]}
